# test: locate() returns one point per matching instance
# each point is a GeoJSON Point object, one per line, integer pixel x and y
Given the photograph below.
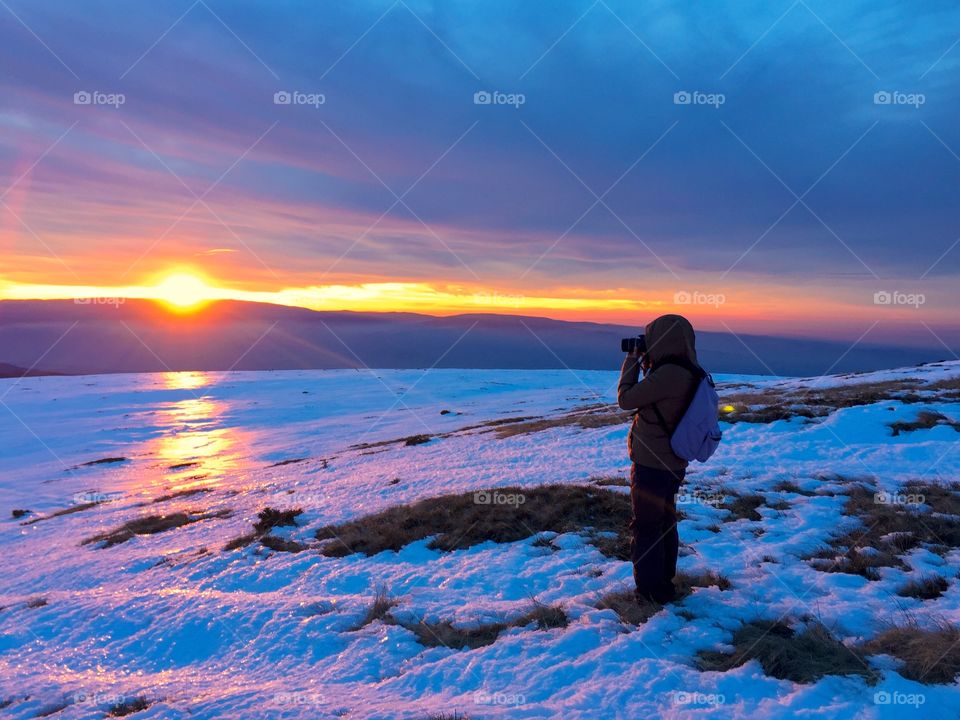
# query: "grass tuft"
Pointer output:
{"type": "Point", "coordinates": [929, 656]}
{"type": "Point", "coordinates": [150, 525]}
{"type": "Point", "coordinates": [462, 521]}
{"type": "Point", "coordinates": [926, 588]}
{"type": "Point", "coordinates": [786, 654]}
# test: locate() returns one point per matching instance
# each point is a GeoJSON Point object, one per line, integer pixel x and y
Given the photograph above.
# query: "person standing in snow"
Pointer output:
{"type": "Point", "coordinates": [660, 398]}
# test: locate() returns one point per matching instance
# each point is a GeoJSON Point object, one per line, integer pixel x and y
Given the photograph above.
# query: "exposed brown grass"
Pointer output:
{"type": "Point", "coordinates": [278, 544]}
{"type": "Point", "coordinates": [926, 588]}
{"type": "Point", "coordinates": [128, 707]}
{"type": "Point", "coordinates": [742, 507]}
{"type": "Point", "coordinates": [590, 417]}
{"type": "Point", "coordinates": [150, 525]}
{"type": "Point", "coordinates": [379, 608]}
{"type": "Point", "coordinates": [889, 530]}
{"type": "Point", "coordinates": [788, 486]}
{"type": "Point", "coordinates": [634, 611]}
{"type": "Point", "coordinates": [101, 461]}
{"type": "Point", "coordinates": [772, 404]}
{"type": "Point", "coordinates": [925, 420]}
{"type": "Point", "coordinates": [291, 461]}
{"type": "Point", "coordinates": [610, 481]}
{"type": "Point", "coordinates": [189, 492]}
{"type": "Point", "coordinates": [928, 655]}
{"type": "Point", "coordinates": [458, 521]}
{"type": "Point", "coordinates": [267, 519]}
{"type": "Point", "coordinates": [59, 513]}
{"type": "Point", "coordinates": [446, 634]}
{"type": "Point", "coordinates": [803, 657]}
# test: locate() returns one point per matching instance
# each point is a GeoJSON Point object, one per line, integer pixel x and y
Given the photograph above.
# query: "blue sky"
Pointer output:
{"type": "Point", "coordinates": [786, 181]}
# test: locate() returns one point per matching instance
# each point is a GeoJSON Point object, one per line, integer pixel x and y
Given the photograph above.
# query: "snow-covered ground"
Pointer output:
{"type": "Point", "coordinates": [202, 632]}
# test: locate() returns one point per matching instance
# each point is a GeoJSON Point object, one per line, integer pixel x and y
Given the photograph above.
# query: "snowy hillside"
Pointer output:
{"type": "Point", "coordinates": [211, 545]}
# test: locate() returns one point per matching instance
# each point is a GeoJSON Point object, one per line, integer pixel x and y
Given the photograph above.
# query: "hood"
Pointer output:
{"type": "Point", "coordinates": [671, 335]}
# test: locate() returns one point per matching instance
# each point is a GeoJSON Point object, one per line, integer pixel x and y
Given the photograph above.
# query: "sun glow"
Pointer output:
{"type": "Point", "coordinates": [183, 292]}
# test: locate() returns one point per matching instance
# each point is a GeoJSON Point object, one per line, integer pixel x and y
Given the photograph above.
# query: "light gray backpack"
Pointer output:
{"type": "Point", "coordinates": [697, 435]}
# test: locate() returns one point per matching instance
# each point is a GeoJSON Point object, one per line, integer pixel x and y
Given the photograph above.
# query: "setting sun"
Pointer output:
{"type": "Point", "coordinates": [183, 291]}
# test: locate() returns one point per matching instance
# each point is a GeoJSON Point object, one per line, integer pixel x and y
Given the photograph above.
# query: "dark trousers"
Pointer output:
{"type": "Point", "coordinates": [655, 542]}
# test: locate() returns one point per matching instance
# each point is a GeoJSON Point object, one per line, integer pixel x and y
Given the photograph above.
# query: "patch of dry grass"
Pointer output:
{"type": "Point", "coordinates": [610, 481]}
{"type": "Point", "coordinates": [80, 507]}
{"type": "Point", "coordinates": [925, 420]}
{"type": "Point", "coordinates": [446, 634]}
{"type": "Point", "coordinates": [926, 588]}
{"type": "Point", "coordinates": [742, 507]}
{"type": "Point", "coordinates": [128, 707]}
{"type": "Point", "coordinates": [460, 521]}
{"type": "Point", "coordinates": [150, 525]}
{"type": "Point", "coordinates": [267, 519]}
{"type": "Point", "coordinates": [379, 609]}
{"type": "Point", "coordinates": [888, 530]}
{"type": "Point", "coordinates": [929, 656]}
{"type": "Point", "coordinates": [178, 494]}
{"type": "Point", "coordinates": [590, 417]}
{"type": "Point", "coordinates": [803, 657]}
{"type": "Point", "coordinates": [634, 611]}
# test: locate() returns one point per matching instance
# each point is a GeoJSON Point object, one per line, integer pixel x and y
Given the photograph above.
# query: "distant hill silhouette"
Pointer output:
{"type": "Point", "coordinates": [140, 336]}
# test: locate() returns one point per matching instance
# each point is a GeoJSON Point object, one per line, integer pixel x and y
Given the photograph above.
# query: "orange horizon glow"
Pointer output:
{"type": "Point", "coordinates": [185, 290]}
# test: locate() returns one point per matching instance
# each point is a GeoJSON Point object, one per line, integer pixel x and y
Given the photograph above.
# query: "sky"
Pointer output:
{"type": "Point", "coordinates": [786, 167]}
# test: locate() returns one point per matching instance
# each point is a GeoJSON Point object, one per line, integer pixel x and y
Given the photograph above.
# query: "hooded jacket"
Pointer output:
{"type": "Point", "coordinates": [669, 386]}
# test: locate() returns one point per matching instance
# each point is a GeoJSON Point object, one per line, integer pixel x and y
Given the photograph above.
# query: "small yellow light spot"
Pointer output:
{"type": "Point", "coordinates": [728, 408]}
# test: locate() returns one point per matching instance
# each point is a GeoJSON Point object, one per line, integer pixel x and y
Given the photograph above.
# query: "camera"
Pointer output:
{"type": "Point", "coordinates": [631, 344]}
